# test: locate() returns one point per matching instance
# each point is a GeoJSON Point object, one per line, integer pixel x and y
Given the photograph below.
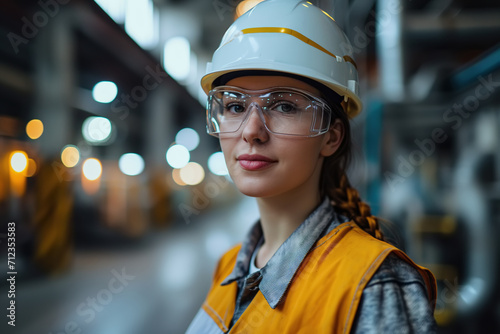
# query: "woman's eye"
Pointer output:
{"type": "Point", "coordinates": [235, 108]}
{"type": "Point", "coordinates": [285, 108]}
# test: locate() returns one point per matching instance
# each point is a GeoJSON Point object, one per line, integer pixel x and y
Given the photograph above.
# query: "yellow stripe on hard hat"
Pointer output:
{"type": "Point", "coordinates": [298, 35]}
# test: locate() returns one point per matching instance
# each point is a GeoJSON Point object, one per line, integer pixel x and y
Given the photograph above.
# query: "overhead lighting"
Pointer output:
{"type": "Point", "coordinates": [188, 137]}
{"type": "Point", "coordinates": [92, 169]}
{"type": "Point", "coordinates": [178, 156]}
{"type": "Point", "coordinates": [96, 130]}
{"type": "Point", "coordinates": [34, 128]}
{"type": "Point", "coordinates": [70, 156]}
{"type": "Point", "coordinates": [192, 174]}
{"type": "Point", "coordinates": [31, 170]}
{"type": "Point", "coordinates": [176, 176]}
{"type": "Point", "coordinates": [142, 23]}
{"type": "Point", "coordinates": [131, 164]}
{"type": "Point", "coordinates": [105, 91]}
{"type": "Point", "coordinates": [19, 161]}
{"type": "Point", "coordinates": [19, 165]}
{"type": "Point", "coordinates": [177, 58]}
{"type": "Point", "coordinates": [114, 8]}
{"type": "Point", "coordinates": [217, 164]}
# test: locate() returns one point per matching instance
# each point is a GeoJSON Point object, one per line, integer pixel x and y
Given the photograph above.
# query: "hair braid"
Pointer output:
{"type": "Point", "coordinates": [348, 202]}
{"type": "Point", "coordinates": [335, 183]}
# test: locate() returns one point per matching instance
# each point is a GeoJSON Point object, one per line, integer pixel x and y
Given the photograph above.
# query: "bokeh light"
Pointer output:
{"type": "Point", "coordinates": [188, 137]}
{"type": "Point", "coordinates": [70, 156]}
{"type": "Point", "coordinates": [34, 128]}
{"type": "Point", "coordinates": [216, 243]}
{"type": "Point", "coordinates": [177, 57]}
{"type": "Point", "coordinates": [19, 161]}
{"type": "Point", "coordinates": [31, 168]}
{"type": "Point", "coordinates": [217, 164]}
{"type": "Point", "coordinates": [131, 164]}
{"type": "Point", "coordinates": [92, 169]}
{"type": "Point", "coordinates": [185, 259]}
{"type": "Point", "coordinates": [245, 6]}
{"type": "Point", "coordinates": [141, 22]}
{"type": "Point", "coordinates": [192, 174]}
{"type": "Point", "coordinates": [105, 91]}
{"type": "Point", "coordinates": [96, 129]}
{"type": "Point", "coordinates": [176, 176]}
{"type": "Point", "coordinates": [178, 156]}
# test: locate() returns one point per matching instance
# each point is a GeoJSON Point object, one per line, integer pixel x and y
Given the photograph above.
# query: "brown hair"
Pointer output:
{"type": "Point", "coordinates": [335, 183]}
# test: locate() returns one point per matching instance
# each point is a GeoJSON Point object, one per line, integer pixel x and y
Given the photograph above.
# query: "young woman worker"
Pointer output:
{"type": "Point", "coordinates": [281, 89]}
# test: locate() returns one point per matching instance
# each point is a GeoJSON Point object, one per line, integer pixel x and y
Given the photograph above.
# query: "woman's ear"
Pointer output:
{"type": "Point", "coordinates": [333, 138]}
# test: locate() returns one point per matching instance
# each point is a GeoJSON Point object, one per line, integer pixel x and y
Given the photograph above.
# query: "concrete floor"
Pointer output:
{"type": "Point", "coordinates": [154, 287]}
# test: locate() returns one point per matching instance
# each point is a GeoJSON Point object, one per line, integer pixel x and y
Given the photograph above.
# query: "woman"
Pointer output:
{"type": "Point", "coordinates": [281, 89]}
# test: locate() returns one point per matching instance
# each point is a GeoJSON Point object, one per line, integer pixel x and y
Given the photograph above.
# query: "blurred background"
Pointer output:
{"type": "Point", "coordinates": [121, 205]}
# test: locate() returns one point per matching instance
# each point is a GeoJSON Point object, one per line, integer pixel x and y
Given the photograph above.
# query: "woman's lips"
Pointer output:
{"type": "Point", "coordinates": [254, 162]}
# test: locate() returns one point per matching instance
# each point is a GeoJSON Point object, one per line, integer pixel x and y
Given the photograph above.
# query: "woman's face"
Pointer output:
{"type": "Point", "coordinates": [265, 165]}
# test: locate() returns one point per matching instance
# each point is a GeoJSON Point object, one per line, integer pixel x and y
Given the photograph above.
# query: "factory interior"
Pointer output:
{"type": "Point", "coordinates": [107, 173]}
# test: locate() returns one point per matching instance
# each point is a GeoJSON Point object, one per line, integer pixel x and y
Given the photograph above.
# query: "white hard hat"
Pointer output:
{"type": "Point", "coordinates": [293, 37]}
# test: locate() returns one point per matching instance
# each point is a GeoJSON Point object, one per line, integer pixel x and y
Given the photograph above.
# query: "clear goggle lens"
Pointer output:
{"type": "Point", "coordinates": [283, 110]}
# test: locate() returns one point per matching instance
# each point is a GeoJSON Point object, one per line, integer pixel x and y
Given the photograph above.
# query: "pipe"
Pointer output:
{"type": "Point", "coordinates": [482, 65]}
{"type": "Point", "coordinates": [479, 280]}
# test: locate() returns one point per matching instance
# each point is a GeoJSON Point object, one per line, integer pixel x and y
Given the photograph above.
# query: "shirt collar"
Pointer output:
{"type": "Point", "coordinates": [280, 269]}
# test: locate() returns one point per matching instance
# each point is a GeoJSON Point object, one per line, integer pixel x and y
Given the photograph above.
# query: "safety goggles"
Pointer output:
{"type": "Point", "coordinates": [282, 110]}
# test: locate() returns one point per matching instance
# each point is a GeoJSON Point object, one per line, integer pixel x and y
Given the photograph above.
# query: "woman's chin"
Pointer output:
{"type": "Point", "coordinates": [252, 192]}
{"type": "Point", "coordinates": [254, 189]}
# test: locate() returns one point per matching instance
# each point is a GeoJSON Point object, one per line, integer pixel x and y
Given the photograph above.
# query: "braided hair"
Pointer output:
{"type": "Point", "coordinates": [335, 183]}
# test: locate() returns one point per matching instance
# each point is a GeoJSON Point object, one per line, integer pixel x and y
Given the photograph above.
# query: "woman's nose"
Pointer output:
{"type": "Point", "coordinates": [254, 128]}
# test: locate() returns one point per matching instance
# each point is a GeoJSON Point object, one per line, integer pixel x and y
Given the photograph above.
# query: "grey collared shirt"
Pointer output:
{"type": "Point", "coordinates": [394, 301]}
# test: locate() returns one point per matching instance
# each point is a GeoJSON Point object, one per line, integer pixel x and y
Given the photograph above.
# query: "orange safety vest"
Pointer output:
{"type": "Point", "coordinates": [324, 294]}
